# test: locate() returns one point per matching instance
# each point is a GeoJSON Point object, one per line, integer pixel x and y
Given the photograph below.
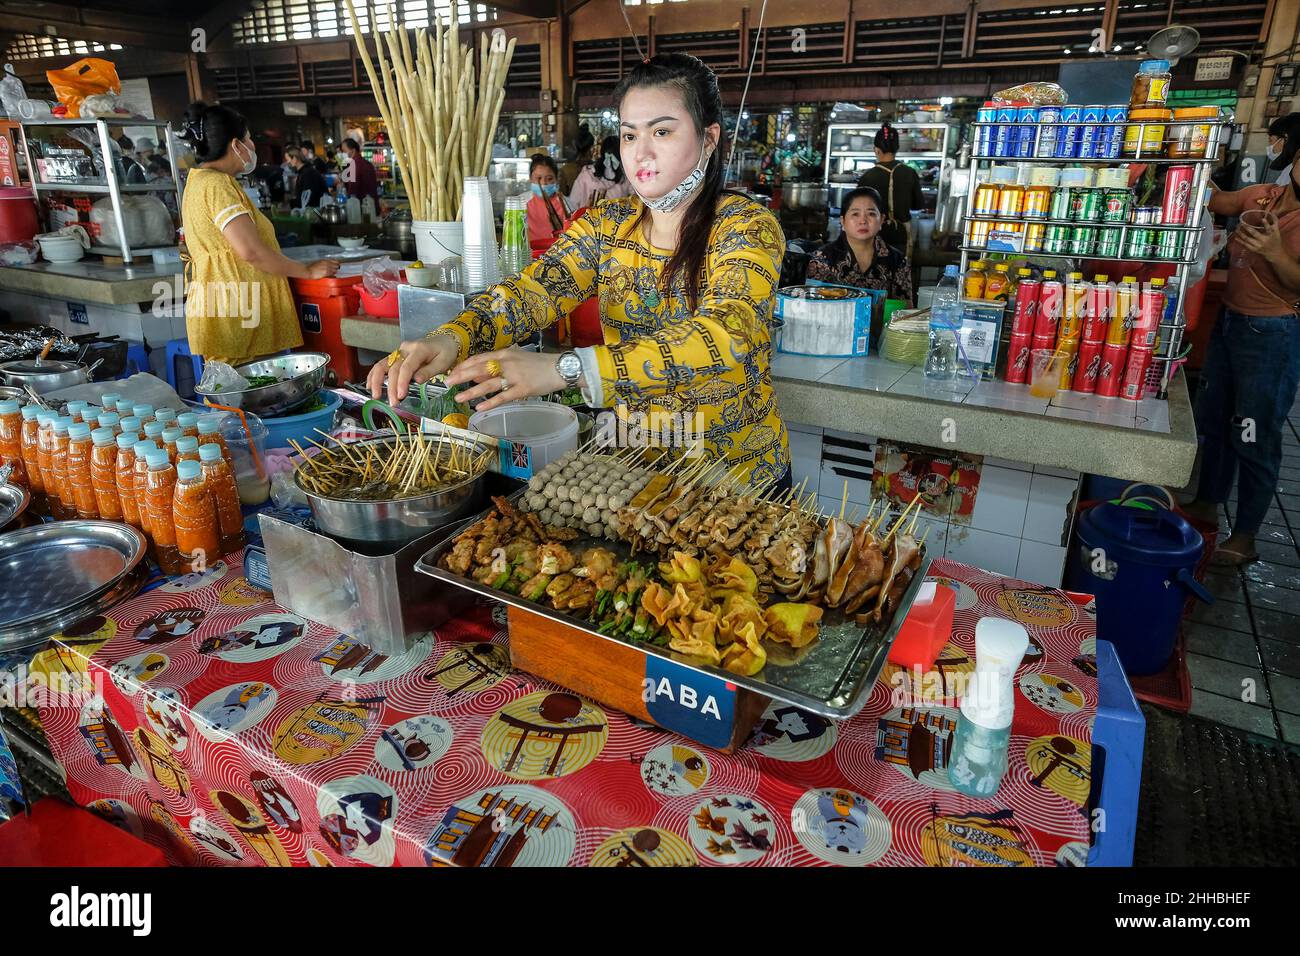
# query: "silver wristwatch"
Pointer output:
{"type": "Point", "coordinates": [570, 368]}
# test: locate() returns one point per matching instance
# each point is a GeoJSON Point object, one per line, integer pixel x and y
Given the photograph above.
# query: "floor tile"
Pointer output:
{"type": "Point", "coordinates": [1290, 727]}
{"type": "Point", "coordinates": [1225, 588]}
{"type": "Point", "coordinates": [1275, 574]}
{"type": "Point", "coordinates": [1276, 626]}
{"type": "Point", "coordinates": [1286, 693]}
{"type": "Point", "coordinates": [1276, 528]}
{"type": "Point", "coordinates": [1276, 553]}
{"type": "Point", "coordinates": [1209, 641]}
{"type": "Point", "coordinates": [1280, 657]}
{"type": "Point", "coordinates": [1272, 598]}
{"type": "Point", "coordinates": [1224, 614]}
{"type": "Point", "coordinates": [1228, 679]}
{"type": "Point", "coordinates": [1230, 711]}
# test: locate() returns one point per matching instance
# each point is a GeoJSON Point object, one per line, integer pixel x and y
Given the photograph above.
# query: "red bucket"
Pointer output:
{"type": "Point", "coordinates": [381, 306]}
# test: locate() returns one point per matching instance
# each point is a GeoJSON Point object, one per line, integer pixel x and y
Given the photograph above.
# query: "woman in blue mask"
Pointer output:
{"type": "Point", "coordinates": [547, 210]}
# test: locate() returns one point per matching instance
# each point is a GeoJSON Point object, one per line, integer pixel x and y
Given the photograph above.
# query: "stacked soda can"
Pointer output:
{"type": "Point", "coordinates": [1118, 333]}
{"type": "Point", "coordinates": [1024, 320]}
{"type": "Point", "coordinates": [1095, 323]}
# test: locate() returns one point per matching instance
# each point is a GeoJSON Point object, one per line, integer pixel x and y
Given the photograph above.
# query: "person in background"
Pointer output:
{"type": "Point", "coordinates": [309, 184]}
{"type": "Point", "coordinates": [229, 245]}
{"type": "Point", "coordinates": [859, 256]}
{"type": "Point", "coordinates": [145, 149]}
{"type": "Point", "coordinates": [547, 210]}
{"type": "Point", "coordinates": [359, 174]}
{"type": "Point", "coordinates": [309, 156]}
{"type": "Point", "coordinates": [578, 159]}
{"type": "Point", "coordinates": [602, 179]}
{"type": "Point", "coordinates": [1283, 143]}
{"type": "Point", "coordinates": [1252, 368]}
{"type": "Point", "coordinates": [899, 187]}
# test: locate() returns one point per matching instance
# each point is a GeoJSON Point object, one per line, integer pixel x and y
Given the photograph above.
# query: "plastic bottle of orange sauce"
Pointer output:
{"type": "Point", "coordinates": [79, 482]}
{"type": "Point", "coordinates": [160, 486]}
{"type": "Point", "coordinates": [124, 478]}
{"type": "Point", "coordinates": [140, 484]}
{"type": "Point", "coordinates": [11, 440]}
{"type": "Point", "coordinates": [187, 449]}
{"type": "Point", "coordinates": [143, 412]}
{"type": "Point", "coordinates": [169, 437]}
{"type": "Point", "coordinates": [63, 505]}
{"type": "Point", "coordinates": [210, 431]}
{"type": "Point", "coordinates": [220, 481]}
{"type": "Point", "coordinates": [44, 446]}
{"type": "Point", "coordinates": [130, 425]}
{"type": "Point", "coordinates": [30, 444]}
{"type": "Point", "coordinates": [110, 420]}
{"type": "Point", "coordinates": [167, 416]}
{"type": "Point", "coordinates": [74, 411]}
{"type": "Point", "coordinates": [103, 473]}
{"type": "Point", "coordinates": [153, 431]}
{"type": "Point", "coordinates": [188, 422]}
{"type": "Point", "coordinates": [198, 542]}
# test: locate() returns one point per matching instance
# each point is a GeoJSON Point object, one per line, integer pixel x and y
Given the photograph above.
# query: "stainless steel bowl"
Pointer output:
{"type": "Point", "coordinates": [14, 500]}
{"type": "Point", "coordinates": [48, 376]}
{"type": "Point", "coordinates": [396, 521]}
{"type": "Point", "coordinates": [13, 391]}
{"type": "Point", "coordinates": [303, 374]}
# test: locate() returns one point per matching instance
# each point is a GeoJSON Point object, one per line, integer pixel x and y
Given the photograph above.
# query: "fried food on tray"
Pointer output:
{"type": "Point", "coordinates": [793, 624]}
{"type": "Point", "coordinates": [745, 656]}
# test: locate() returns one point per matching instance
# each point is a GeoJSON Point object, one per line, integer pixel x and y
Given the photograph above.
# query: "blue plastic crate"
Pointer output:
{"type": "Point", "coordinates": [1118, 738]}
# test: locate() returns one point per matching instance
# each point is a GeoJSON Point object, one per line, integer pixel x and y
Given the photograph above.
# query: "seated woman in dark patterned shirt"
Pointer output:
{"type": "Point", "coordinates": [859, 257]}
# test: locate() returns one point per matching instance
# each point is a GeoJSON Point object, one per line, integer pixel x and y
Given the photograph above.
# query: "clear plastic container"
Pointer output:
{"type": "Point", "coordinates": [62, 505]}
{"type": "Point", "coordinates": [220, 482]}
{"type": "Point", "coordinates": [11, 440]}
{"type": "Point", "coordinates": [160, 484]}
{"type": "Point", "coordinates": [195, 516]}
{"type": "Point", "coordinates": [248, 457]}
{"type": "Point", "coordinates": [1150, 85]}
{"type": "Point", "coordinates": [124, 477]}
{"type": "Point", "coordinates": [78, 470]}
{"type": "Point", "coordinates": [548, 429]}
{"type": "Point", "coordinates": [30, 444]}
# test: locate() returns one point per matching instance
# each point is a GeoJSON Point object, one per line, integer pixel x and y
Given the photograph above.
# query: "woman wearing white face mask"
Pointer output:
{"type": "Point", "coordinates": [237, 301]}
{"type": "Point", "coordinates": [1283, 143]}
{"type": "Point", "coordinates": [686, 275]}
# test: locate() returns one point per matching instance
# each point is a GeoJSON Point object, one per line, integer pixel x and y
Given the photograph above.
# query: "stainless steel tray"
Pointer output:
{"type": "Point", "coordinates": [14, 500]}
{"type": "Point", "coordinates": [833, 679]}
{"type": "Point", "coordinates": [52, 575]}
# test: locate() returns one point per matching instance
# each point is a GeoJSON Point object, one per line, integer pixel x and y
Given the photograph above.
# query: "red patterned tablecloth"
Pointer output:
{"type": "Point", "coordinates": [229, 731]}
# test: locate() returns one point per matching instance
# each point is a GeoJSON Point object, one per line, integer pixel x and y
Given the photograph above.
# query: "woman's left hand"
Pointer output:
{"type": "Point", "coordinates": [1266, 239]}
{"type": "Point", "coordinates": [521, 375]}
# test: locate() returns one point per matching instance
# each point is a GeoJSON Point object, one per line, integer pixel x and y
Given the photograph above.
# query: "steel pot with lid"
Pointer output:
{"type": "Point", "coordinates": [46, 376]}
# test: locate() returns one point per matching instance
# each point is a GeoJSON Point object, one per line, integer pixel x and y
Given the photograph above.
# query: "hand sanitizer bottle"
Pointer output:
{"type": "Point", "coordinates": [979, 750]}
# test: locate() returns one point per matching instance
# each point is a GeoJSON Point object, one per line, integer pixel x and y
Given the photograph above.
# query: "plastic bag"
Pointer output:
{"type": "Point", "coordinates": [12, 92]}
{"type": "Point", "coordinates": [102, 215]}
{"type": "Point", "coordinates": [159, 230]}
{"type": "Point", "coordinates": [381, 275]}
{"type": "Point", "coordinates": [18, 253]}
{"type": "Point", "coordinates": [1036, 94]}
{"type": "Point", "coordinates": [220, 377]}
{"type": "Point", "coordinates": [108, 105]}
{"type": "Point", "coordinates": [86, 77]}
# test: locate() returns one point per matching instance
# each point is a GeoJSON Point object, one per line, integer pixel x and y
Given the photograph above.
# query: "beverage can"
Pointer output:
{"type": "Point", "coordinates": [1083, 240]}
{"type": "Point", "coordinates": [1111, 372]}
{"type": "Point", "coordinates": [1169, 244]}
{"type": "Point", "coordinates": [1178, 195]}
{"type": "Point", "coordinates": [1025, 316]}
{"type": "Point", "coordinates": [1097, 313]}
{"type": "Point", "coordinates": [1035, 233]}
{"type": "Point", "coordinates": [977, 234]}
{"type": "Point", "coordinates": [986, 199]}
{"type": "Point", "coordinates": [1070, 326]}
{"type": "Point", "coordinates": [1011, 202]}
{"type": "Point", "coordinates": [1085, 204]}
{"type": "Point", "coordinates": [1133, 385]}
{"type": "Point", "coordinates": [1071, 348]}
{"type": "Point", "coordinates": [1047, 131]}
{"type": "Point", "coordinates": [1089, 367]}
{"type": "Point", "coordinates": [1090, 137]}
{"type": "Point", "coordinates": [1038, 202]}
{"type": "Point", "coordinates": [1060, 207]}
{"type": "Point", "coordinates": [1019, 349]}
{"type": "Point", "coordinates": [1067, 141]}
{"type": "Point", "coordinates": [1056, 241]}
{"type": "Point", "coordinates": [1006, 139]}
{"type": "Point", "coordinates": [1146, 326]}
{"type": "Point", "coordinates": [1045, 341]}
{"type": "Point", "coordinates": [1117, 205]}
{"type": "Point", "coordinates": [1120, 328]}
{"type": "Point", "coordinates": [1141, 243]}
{"type": "Point", "coordinates": [1027, 131]}
{"type": "Point", "coordinates": [1109, 242]}
{"type": "Point", "coordinates": [1051, 304]}
{"type": "Point", "coordinates": [1146, 215]}
{"type": "Point", "coordinates": [987, 114]}
{"type": "Point", "coordinates": [1116, 117]}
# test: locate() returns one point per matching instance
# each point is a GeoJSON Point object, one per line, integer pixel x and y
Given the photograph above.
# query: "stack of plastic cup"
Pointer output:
{"type": "Point", "coordinates": [480, 265]}
{"type": "Point", "coordinates": [516, 253]}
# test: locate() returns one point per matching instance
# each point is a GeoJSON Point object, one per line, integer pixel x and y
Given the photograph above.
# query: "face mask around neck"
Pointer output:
{"type": "Point", "coordinates": [683, 190]}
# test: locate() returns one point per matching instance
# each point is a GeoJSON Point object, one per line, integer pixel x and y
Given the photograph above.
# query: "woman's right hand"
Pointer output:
{"type": "Point", "coordinates": [421, 361]}
{"type": "Point", "coordinates": [323, 269]}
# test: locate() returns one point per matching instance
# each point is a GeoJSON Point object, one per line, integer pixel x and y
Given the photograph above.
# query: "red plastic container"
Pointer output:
{"type": "Point", "coordinates": [322, 305]}
{"type": "Point", "coordinates": [925, 630]}
{"type": "Point", "coordinates": [379, 307]}
{"type": "Point", "coordinates": [18, 221]}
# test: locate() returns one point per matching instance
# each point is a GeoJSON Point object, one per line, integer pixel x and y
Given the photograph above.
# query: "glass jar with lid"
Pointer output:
{"type": "Point", "coordinates": [1188, 139]}
{"type": "Point", "coordinates": [1151, 85]}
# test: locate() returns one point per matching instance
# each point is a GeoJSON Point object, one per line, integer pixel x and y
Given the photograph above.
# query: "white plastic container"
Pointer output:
{"type": "Point", "coordinates": [532, 434]}
{"type": "Point", "coordinates": [436, 241]}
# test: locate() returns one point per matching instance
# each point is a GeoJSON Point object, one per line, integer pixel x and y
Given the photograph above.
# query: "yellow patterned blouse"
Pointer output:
{"type": "Point", "coordinates": [663, 367]}
{"type": "Point", "coordinates": [233, 311]}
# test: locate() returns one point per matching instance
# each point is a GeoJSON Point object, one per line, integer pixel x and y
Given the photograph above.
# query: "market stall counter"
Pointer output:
{"type": "Point", "coordinates": [228, 731]}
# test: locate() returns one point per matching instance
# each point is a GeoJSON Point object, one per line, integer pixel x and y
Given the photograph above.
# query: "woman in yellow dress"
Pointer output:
{"type": "Point", "coordinates": [686, 274]}
{"type": "Point", "coordinates": [238, 307]}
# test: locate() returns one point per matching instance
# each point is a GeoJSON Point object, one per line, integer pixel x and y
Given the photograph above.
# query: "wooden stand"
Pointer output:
{"type": "Point", "coordinates": [642, 685]}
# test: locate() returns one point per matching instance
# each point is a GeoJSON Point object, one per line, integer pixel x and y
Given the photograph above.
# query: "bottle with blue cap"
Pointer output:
{"type": "Point", "coordinates": [109, 401]}
{"type": "Point", "coordinates": [140, 482]}
{"type": "Point", "coordinates": [103, 472]}
{"type": "Point", "coordinates": [143, 411]}
{"type": "Point", "coordinates": [30, 445]}
{"type": "Point", "coordinates": [130, 425]}
{"type": "Point", "coordinates": [75, 409]}
{"type": "Point", "coordinates": [110, 420]}
{"type": "Point", "coordinates": [160, 485]}
{"type": "Point", "coordinates": [224, 490]}
{"type": "Point", "coordinates": [11, 440]}
{"type": "Point", "coordinates": [195, 515]}
{"type": "Point", "coordinates": [78, 469]}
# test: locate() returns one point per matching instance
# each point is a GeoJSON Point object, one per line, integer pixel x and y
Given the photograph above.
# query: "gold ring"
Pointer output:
{"type": "Point", "coordinates": [395, 356]}
{"type": "Point", "coordinates": [493, 367]}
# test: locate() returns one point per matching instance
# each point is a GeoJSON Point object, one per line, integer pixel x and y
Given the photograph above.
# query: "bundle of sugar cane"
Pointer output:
{"type": "Point", "coordinates": [441, 112]}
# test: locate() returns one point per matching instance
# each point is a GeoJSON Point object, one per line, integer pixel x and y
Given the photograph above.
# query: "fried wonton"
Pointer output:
{"type": "Point", "coordinates": [736, 575]}
{"type": "Point", "coordinates": [745, 656]}
{"type": "Point", "coordinates": [793, 624]}
{"type": "Point", "coordinates": [681, 569]}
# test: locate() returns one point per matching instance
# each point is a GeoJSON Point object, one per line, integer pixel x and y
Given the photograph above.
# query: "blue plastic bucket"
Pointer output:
{"type": "Point", "coordinates": [280, 431]}
{"type": "Point", "coordinates": [1139, 565]}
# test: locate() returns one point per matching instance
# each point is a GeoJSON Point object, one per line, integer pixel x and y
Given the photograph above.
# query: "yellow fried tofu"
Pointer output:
{"type": "Point", "coordinates": [793, 624]}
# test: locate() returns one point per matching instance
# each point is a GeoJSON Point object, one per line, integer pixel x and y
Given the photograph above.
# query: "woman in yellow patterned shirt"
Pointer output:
{"type": "Point", "coordinates": [237, 301]}
{"type": "Point", "coordinates": [686, 274]}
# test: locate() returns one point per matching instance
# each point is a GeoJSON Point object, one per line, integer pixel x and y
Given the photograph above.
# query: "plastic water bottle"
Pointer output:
{"type": "Point", "coordinates": [945, 320]}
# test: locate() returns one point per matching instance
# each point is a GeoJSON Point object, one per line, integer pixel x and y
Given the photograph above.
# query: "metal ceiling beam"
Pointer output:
{"type": "Point", "coordinates": [74, 23]}
{"type": "Point", "coordinates": [537, 9]}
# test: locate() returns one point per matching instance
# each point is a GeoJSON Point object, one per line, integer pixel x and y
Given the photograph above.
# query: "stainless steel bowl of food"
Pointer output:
{"type": "Point", "coordinates": [277, 385]}
{"type": "Point", "coordinates": [391, 518]}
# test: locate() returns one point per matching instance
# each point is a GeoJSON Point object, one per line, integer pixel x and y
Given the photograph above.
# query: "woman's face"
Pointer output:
{"type": "Point", "coordinates": [658, 143]}
{"type": "Point", "coordinates": [862, 220]}
{"type": "Point", "coordinates": [542, 175]}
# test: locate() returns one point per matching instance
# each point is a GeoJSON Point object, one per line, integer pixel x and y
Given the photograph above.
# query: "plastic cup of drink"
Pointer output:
{"type": "Point", "coordinates": [1045, 372]}
{"type": "Point", "coordinates": [1251, 219]}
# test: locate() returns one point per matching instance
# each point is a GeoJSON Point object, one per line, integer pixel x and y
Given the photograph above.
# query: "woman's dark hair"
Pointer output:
{"type": "Point", "coordinates": [209, 130]}
{"type": "Point", "coordinates": [886, 139]}
{"type": "Point", "coordinates": [351, 143]}
{"type": "Point", "coordinates": [609, 148]}
{"type": "Point", "coordinates": [699, 90]}
{"type": "Point", "coordinates": [862, 192]}
{"type": "Point", "coordinates": [1288, 129]}
{"type": "Point", "coordinates": [584, 141]}
{"type": "Point", "coordinates": [541, 159]}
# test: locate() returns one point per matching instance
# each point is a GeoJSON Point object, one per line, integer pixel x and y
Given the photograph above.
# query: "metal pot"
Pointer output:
{"type": "Point", "coordinates": [815, 196]}
{"type": "Point", "coordinates": [333, 214]}
{"type": "Point", "coordinates": [399, 520]}
{"type": "Point", "coordinates": [46, 376]}
{"type": "Point", "coordinates": [792, 195]}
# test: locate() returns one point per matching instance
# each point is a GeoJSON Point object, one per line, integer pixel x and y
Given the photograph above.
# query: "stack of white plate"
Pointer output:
{"type": "Point", "coordinates": [481, 268]}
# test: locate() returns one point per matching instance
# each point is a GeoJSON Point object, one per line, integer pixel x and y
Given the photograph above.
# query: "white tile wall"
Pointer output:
{"type": "Point", "coordinates": [1001, 500]}
{"type": "Point", "coordinates": [989, 550]}
{"type": "Point", "coordinates": [935, 532]}
{"type": "Point", "coordinates": [1041, 563]}
{"type": "Point", "coordinates": [805, 457]}
{"type": "Point", "coordinates": [1047, 518]}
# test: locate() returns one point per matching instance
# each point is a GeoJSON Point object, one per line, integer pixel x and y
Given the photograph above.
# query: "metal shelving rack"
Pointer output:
{"type": "Point", "coordinates": [111, 187]}
{"type": "Point", "coordinates": [1171, 333]}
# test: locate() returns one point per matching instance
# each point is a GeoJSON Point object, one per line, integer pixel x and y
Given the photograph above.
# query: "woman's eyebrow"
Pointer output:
{"type": "Point", "coordinates": [657, 119]}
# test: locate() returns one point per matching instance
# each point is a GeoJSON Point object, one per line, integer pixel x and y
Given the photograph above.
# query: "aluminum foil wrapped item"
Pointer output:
{"type": "Point", "coordinates": [27, 342]}
{"type": "Point", "coordinates": [1035, 94]}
